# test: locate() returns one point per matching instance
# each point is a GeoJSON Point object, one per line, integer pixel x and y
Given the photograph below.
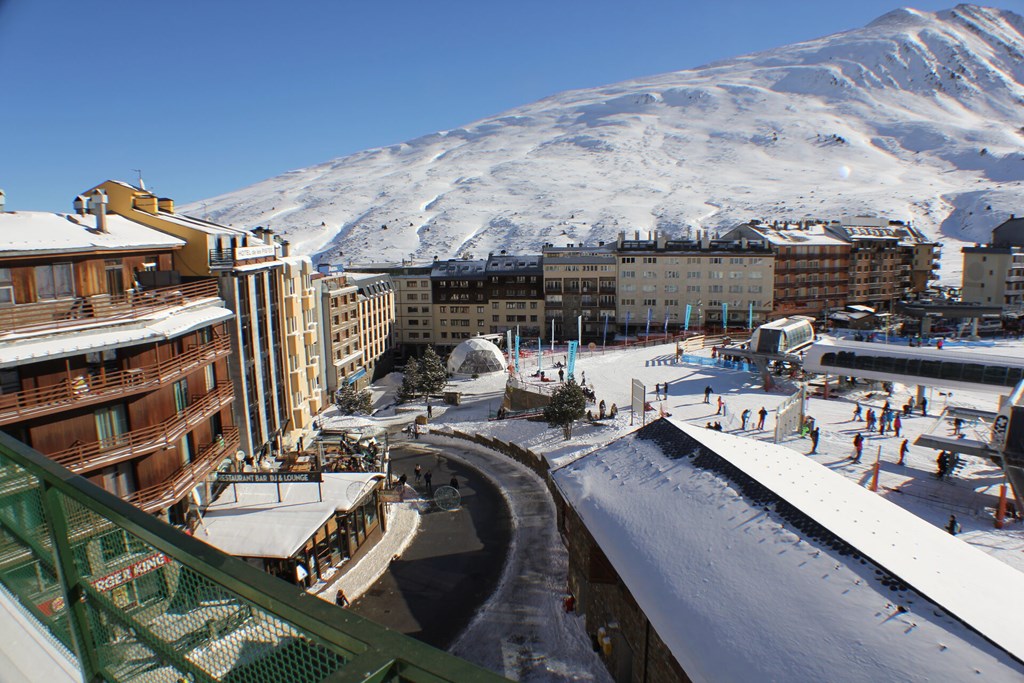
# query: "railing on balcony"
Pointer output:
{"type": "Point", "coordinates": [178, 485]}
{"type": "Point", "coordinates": [222, 258]}
{"type": "Point", "coordinates": [82, 457]}
{"type": "Point", "coordinates": [205, 616]}
{"type": "Point", "coordinates": [55, 315]}
{"type": "Point", "coordinates": [83, 390]}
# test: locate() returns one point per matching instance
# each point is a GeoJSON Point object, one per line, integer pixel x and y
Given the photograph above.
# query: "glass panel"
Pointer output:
{"type": "Point", "coordinates": [63, 281]}
{"type": "Point", "coordinates": [44, 282]}
{"type": "Point", "coordinates": [111, 422]}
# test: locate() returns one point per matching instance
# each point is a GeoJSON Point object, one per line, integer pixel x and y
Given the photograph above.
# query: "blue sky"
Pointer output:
{"type": "Point", "coordinates": [207, 97]}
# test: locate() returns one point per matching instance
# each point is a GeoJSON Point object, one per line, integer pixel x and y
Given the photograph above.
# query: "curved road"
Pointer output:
{"type": "Point", "coordinates": [486, 583]}
{"type": "Point", "coordinates": [452, 565]}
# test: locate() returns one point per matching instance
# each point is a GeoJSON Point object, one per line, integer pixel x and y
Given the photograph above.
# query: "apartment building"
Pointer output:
{"type": "Point", "coordinates": [413, 328]}
{"type": "Point", "coordinates": [812, 266]}
{"type": "Point", "coordinates": [111, 363]}
{"type": "Point", "coordinates": [880, 260]}
{"type": "Point", "coordinates": [302, 328]}
{"type": "Point", "coordinates": [658, 277]}
{"type": "Point", "coordinates": [994, 273]}
{"type": "Point", "coordinates": [579, 281]}
{"type": "Point", "coordinates": [459, 292]}
{"type": "Point", "coordinates": [514, 290]}
{"type": "Point", "coordinates": [358, 315]}
{"type": "Point", "coordinates": [250, 280]}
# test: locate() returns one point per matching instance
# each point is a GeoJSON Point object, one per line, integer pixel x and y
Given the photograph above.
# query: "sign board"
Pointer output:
{"type": "Point", "coordinates": [113, 580]}
{"type": "Point", "coordinates": [269, 477]}
{"type": "Point", "coordinates": [638, 399]}
{"type": "Point", "coordinates": [388, 496]}
{"type": "Point", "coordinates": [246, 253]}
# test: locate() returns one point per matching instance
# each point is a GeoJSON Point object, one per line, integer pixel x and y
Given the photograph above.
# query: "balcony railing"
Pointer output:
{"type": "Point", "coordinates": [83, 457]}
{"type": "Point", "coordinates": [101, 308]}
{"type": "Point", "coordinates": [200, 615]}
{"type": "Point", "coordinates": [83, 390]}
{"type": "Point", "coordinates": [178, 485]}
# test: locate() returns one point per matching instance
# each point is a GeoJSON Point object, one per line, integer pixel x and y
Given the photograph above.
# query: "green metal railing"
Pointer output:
{"type": "Point", "coordinates": [134, 599]}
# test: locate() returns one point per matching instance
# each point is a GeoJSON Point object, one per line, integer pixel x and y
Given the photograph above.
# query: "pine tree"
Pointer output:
{"type": "Point", "coordinates": [410, 381]}
{"type": "Point", "coordinates": [568, 404]}
{"type": "Point", "coordinates": [433, 377]}
{"type": "Point", "coordinates": [350, 400]}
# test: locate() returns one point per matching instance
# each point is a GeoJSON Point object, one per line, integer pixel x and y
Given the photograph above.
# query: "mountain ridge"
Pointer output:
{"type": "Point", "coordinates": [916, 116]}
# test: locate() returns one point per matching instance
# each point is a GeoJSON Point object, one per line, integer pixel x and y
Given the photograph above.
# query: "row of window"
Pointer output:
{"type": "Point", "coordinates": [997, 375]}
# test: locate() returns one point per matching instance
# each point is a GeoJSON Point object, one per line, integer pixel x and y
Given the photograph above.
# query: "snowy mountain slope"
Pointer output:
{"type": "Point", "coordinates": [916, 116]}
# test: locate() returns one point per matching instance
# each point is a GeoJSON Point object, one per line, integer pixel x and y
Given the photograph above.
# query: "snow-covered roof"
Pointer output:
{"type": "Point", "coordinates": [35, 233]}
{"type": "Point", "coordinates": [255, 525]}
{"type": "Point", "coordinates": [89, 337]}
{"type": "Point", "coordinates": [785, 236]}
{"type": "Point", "coordinates": [753, 562]}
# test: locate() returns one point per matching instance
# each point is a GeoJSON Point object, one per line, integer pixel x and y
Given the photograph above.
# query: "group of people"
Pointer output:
{"type": "Point", "coordinates": [947, 462]}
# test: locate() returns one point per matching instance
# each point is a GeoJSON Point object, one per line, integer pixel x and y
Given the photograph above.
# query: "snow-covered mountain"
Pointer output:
{"type": "Point", "coordinates": [917, 116]}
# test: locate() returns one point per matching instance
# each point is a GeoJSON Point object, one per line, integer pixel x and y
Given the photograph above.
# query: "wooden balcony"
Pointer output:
{"type": "Point", "coordinates": [84, 457]}
{"type": "Point", "coordinates": [83, 390]}
{"type": "Point", "coordinates": [47, 316]}
{"type": "Point", "coordinates": [178, 485]}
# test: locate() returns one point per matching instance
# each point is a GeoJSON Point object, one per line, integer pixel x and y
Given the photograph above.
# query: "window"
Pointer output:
{"type": "Point", "coordinates": [650, 259]}
{"type": "Point", "coordinates": [54, 282]}
{"type": "Point", "coordinates": [650, 302]}
{"type": "Point", "coordinates": [115, 276]}
{"type": "Point", "coordinates": [650, 274]}
{"type": "Point", "coordinates": [6, 287]}
{"type": "Point", "coordinates": [629, 273]}
{"type": "Point", "coordinates": [111, 423]}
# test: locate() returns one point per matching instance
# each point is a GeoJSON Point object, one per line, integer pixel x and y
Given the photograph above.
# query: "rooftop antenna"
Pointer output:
{"type": "Point", "coordinates": [138, 171]}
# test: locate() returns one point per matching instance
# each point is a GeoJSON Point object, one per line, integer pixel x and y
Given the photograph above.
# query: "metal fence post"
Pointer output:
{"type": "Point", "coordinates": [70, 582]}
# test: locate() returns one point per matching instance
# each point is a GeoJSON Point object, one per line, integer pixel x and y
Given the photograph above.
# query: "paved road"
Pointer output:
{"type": "Point", "coordinates": [452, 566]}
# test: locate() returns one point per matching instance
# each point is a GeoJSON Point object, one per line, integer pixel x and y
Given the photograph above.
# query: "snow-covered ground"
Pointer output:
{"type": "Point", "coordinates": [970, 494]}
{"type": "Point", "coordinates": [913, 117]}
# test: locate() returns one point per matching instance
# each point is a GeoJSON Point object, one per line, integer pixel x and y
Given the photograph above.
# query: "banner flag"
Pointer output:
{"type": "Point", "coordinates": [571, 365]}
{"type": "Point", "coordinates": [725, 316]}
{"type": "Point", "coordinates": [686, 319]}
{"type": "Point", "coordinates": [517, 354]}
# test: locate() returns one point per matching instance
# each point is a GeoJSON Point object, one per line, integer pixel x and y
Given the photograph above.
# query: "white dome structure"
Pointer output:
{"type": "Point", "coordinates": [476, 356]}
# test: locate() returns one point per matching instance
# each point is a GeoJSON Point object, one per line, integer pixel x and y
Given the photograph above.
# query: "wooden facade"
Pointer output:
{"type": "Point", "coordinates": [145, 420]}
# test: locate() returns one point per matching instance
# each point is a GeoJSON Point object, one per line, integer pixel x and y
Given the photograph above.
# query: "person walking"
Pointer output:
{"type": "Point", "coordinates": [924, 407]}
{"type": "Point", "coordinates": [427, 481]}
{"type": "Point", "coordinates": [858, 446]}
{"type": "Point", "coordinates": [340, 600]}
{"type": "Point", "coordinates": [721, 405]}
{"type": "Point", "coordinates": [942, 463]}
{"type": "Point", "coordinates": [815, 434]}
{"type": "Point", "coordinates": [761, 415]}
{"type": "Point", "coordinates": [869, 420]}
{"type": "Point", "coordinates": [857, 412]}
{"type": "Point", "coordinates": [904, 449]}
{"type": "Point", "coordinates": [881, 425]}
{"type": "Point", "coordinates": [744, 416]}
{"type": "Point", "coordinates": [417, 472]}
{"type": "Point", "coordinates": [957, 425]}
{"type": "Point", "coordinates": [953, 526]}
{"type": "Point", "coordinates": [707, 394]}
{"type": "Point", "coordinates": [561, 375]}
{"type": "Point", "coordinates": [454, 483]}
{"type": "Point", "coordinates": [897, 423]}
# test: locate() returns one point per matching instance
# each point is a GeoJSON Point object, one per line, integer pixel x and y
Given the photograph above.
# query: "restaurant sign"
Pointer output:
{"type": "Point", "coordinates": [269, 477]}
{"type": "Point", "coordinates": [113, 580]}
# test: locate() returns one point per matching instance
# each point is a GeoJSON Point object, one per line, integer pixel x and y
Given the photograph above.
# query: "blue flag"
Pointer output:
{"type": "Point", "coordinates": [572, 358]}
{"type": "Point", "coordinates": [686, 319]}
{"type": "Point", "coordinates": [725, 315]}
{"type": "Point", "coordinates": [517, 354]}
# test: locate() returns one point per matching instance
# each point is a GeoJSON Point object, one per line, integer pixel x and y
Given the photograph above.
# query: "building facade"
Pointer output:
{"type": "Point", "coordinates": [994, 273]}
{"type": "Point", "coordinates": [110, 363]}
{"type": "Point", "coordinates": [414, 316]}
{"type": "Point", "coordinates": [580, 285]}
{"type": "Point", "coordinates": [459, 292]}
{"type": "Point", "coordinates": [358, 315]}
{"type": "Point", "coordinates": [249, 273]}
{"type": "Point", "coordinates": [302, 327]}
{"type": "Point", "coordinates": [658, 278]}
{"type": "Point", "coordinates": [515, 294]}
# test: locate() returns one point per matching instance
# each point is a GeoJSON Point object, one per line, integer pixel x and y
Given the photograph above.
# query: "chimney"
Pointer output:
{"type": "Point", "coordinates": [80, 205]}
{"type": "Point", "coordinates": [636, 235]}
{"type": "Point", "coordinates": [661, 240]}
{"type": "Point", "coordinates": [165, 204]}
{"type": "Point", "coordinates": [98, 208]}
{"type": "Point", "coordinates": [705, 240]}
{"type": "Point", "coordinates": [743, 243]}
{"type": "Point", "coordinates": [286, 248]}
